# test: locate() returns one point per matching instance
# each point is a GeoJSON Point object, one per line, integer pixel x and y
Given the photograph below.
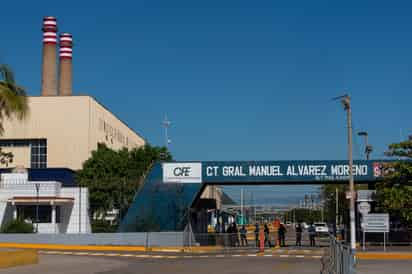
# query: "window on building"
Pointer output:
{"type": "Point", "coordinates": [28, 212]}
{"type": "Point", "coordinates": [38, 151]}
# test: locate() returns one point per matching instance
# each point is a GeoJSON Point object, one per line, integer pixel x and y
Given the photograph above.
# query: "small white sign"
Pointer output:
{"type": "Point", "coordinates": [377, 222]}
{"type": "Point", "coordinates": [182, 172]}
{"type": "Point", "coordinates": [364, 208]}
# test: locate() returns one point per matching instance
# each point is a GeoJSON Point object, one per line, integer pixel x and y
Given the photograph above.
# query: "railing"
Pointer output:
{"type": "Point", "coordinates": [338, 259]}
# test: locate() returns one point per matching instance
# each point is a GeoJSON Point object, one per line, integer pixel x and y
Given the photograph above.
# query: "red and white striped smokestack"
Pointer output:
{"type": "Point", "coordinates": [49, 77]}
{"type": "Point", "coordinates": [65, 78]}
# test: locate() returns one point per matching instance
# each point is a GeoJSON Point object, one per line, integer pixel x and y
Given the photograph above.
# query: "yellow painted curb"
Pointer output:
{"type": "Point", "coordinates": [17, 258]}
{"type": "Point", "coordinates": [200, 249]}
{"type": "Point", "coordinates": [383, 256]}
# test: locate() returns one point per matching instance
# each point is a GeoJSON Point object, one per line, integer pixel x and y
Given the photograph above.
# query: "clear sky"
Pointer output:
{"type": "Point", "coordinates": [240, 80]}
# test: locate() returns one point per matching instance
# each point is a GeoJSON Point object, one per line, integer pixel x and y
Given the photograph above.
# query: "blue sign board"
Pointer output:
{"type": "Point", "coordinates": [255, 172]}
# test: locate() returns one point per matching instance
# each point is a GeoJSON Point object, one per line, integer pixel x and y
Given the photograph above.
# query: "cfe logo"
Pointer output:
{"type": "Point", "coordinates": [182, 172]}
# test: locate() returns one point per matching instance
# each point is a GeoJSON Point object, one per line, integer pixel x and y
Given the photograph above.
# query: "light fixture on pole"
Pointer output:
{"type": "Point", "coordinates": [346, 101]}
{"type": "Point", "coordinates": [368, 148]}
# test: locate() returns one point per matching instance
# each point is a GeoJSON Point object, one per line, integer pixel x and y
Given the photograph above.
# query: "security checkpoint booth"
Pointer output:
{"type": "Point", "coordinates": [49, 206]}
{"type": "Point", "coordinates": [170, 199]}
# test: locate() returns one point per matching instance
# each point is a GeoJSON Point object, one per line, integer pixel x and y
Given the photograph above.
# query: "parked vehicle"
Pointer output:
{"type": "Point", "coordinates": [321, 228]}
{"type": "Point", "coordinates": [288, 223]}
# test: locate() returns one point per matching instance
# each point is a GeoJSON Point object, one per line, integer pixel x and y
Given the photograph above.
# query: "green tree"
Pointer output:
{"type": "Point", "coordinates": [113, 177]}
{"type": "Point", "coordinates": [17, 226]}
{"type": "Point", "coordinates": [13, 104]}
{"type": "Point", "coordinates": [328, 194]}
{"type": "Point", "coordinates": [394, 194]}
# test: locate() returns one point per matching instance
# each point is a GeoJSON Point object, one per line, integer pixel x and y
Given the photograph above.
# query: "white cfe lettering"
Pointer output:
{"type": "Point", "coordinates": [343, 170]}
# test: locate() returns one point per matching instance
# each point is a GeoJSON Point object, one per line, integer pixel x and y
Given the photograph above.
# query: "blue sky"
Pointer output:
{"type": "Point", "coordinates": [240, 80]}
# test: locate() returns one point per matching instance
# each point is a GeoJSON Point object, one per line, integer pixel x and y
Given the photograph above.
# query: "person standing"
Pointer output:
{"type": "Point", "coordinates": [257, 230]}
{"type": "Point", "coordinates": [298, 230]}
{"type": "Point", "coordinates": [312, 234]}
{"type": "Point", "coordinates": [235, 235]}
{"type": "Point", "coordinates": [281, 234]}
{"type": "Point", "coordinates": [243, 236]}
{"type": "Point", "coordinates": [267, 235]}
{"type": "Point", "coordinates": [229, 233]}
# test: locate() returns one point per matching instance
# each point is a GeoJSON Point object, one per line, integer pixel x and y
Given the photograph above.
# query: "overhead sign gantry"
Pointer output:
{"type": "Point", "coordinates": [171, 188]}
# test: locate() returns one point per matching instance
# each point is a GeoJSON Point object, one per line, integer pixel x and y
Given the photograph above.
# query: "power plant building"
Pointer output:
{"type": "Point", "coordinates": [56, 138]}
{"type": "Point", "coordinates": [61, 130]}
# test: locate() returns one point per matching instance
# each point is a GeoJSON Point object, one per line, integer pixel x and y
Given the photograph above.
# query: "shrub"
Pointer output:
{"type": "Point", "coordinates": [101, 226]}
{"type": "Point", "coordinates": [17, 226]}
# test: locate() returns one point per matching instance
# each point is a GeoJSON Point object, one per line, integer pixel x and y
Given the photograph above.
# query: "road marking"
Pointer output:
{"type": "Point", "coordinates": [142, 256]}
{"type": "Point", "coordinates": [81, 253]}
{"type": "Point", "coordinates": [177, 257]}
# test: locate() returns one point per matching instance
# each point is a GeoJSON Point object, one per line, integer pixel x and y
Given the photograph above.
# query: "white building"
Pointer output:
{"type": "Point", "coordinates": [58, 209]}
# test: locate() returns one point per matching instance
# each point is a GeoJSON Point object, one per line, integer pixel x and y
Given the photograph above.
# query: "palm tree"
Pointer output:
{"type": "Point", "coordinates": [13, 103]}
{"type": "Point", "coordinates": [13, 100]}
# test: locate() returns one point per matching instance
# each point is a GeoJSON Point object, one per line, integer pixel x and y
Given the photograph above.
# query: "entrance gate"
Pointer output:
{"type": "Point", "coordinates": [170, 195]}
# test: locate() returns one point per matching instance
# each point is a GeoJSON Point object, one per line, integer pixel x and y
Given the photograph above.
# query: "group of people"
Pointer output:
{"type": "Point", "coordinates": [234, 234]}
{"type": "Point", "coordinates": [238, 237]}
{"type": "Point", "coordinates": [311, 232]}
{"type": "Point", "coordinates": [281, 235]}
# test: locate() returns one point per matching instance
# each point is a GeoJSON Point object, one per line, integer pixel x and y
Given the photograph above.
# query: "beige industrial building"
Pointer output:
{"type": "Point", "coordinates": [62, 131]}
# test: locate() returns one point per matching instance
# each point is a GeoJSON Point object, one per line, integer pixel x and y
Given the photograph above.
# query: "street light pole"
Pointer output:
{"type": "Point", "coordinates": [37, 206]}
{"type": "Point", "coordinates": [347, 105]}
{"type": "Point", "coordinates": [368, 148]}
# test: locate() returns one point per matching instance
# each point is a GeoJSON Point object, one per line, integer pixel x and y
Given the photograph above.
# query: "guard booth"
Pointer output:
{"type": "Point", "coordinates": [170, 199]}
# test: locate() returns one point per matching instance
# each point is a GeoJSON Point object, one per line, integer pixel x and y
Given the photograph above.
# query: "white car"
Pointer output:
{"type": "Point", "coordinates": [321, 228]}
{"type": "Point", "coordinates": [305, 226]}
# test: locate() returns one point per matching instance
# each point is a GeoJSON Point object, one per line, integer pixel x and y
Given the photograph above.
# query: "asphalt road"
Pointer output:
{"type": "Point", "coordinates": [384, 267]}
{"type": "Point", "coordinates": [78, 264]}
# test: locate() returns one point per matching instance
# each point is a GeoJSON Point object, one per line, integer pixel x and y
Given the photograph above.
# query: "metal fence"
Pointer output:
{"type": "Point", "coordinates": [338, 259]}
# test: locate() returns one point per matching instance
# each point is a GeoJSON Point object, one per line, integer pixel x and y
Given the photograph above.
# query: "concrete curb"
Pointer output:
{"type": "Point", "coordinates": [202, 249]}
{"type": "Point", "coordinates": [384, 256]}
{"type": "Point", "coordinates": [18, 257]}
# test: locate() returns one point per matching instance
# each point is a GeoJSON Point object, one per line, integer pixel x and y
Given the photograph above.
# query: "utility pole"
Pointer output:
{"type": "Point", "coordinates": [241, 205]}
{"type": "Point", "coordinates": [337, 206]}
{"type": "Point", "coordinates": [166, 124]}
{"type": "Point", "coordinates": [37, 185]}
{"type": "Point", "coordinates": [345, 99]}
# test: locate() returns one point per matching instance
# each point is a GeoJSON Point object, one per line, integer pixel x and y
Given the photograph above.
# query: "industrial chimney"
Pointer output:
{"type": "Point", "coordinates": [65, 71]}
{"type": "Point", "coordinates": [48, 82]}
